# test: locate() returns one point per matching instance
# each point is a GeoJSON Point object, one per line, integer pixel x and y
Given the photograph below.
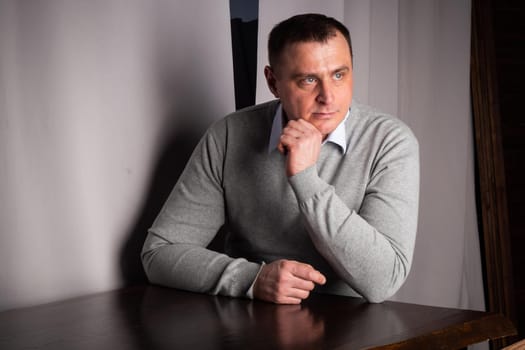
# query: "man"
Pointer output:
{"type": "Point", "coordinates": [315, 191]}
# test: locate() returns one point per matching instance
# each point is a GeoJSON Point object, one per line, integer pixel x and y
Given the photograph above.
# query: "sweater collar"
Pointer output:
{"type": "Point", "coordinates": [338, 136]}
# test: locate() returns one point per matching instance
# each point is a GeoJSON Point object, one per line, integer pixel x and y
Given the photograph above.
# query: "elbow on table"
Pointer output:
{"type": "Point", "coordinates": [388, 281]}
{"type": "Point", "coordinates": [146, 258]}
{"type": "Point", "coordinates": [380, 292]}
{"type": "Point", "coordinates": [149, 255]}
{"type": "Point", "coordinates": [376, 297]}
{"type": "Point", "coordinates": [155, 272]}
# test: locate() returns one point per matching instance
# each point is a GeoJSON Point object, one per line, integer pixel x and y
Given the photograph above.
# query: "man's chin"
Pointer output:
{"type": "Point", "coordinates": [325, 127]}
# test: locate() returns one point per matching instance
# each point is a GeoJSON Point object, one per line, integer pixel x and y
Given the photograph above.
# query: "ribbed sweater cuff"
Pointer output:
{"type": "Point", "coordinates": [307, 183]}
{"type": "Point", "coordinates": [249, 293]}
{"type": "Point", "coordinates": [245, 279]}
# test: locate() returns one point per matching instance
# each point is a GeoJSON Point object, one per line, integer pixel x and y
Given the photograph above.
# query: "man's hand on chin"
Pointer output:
{"type": "Point", "coordinates": [301, 142]}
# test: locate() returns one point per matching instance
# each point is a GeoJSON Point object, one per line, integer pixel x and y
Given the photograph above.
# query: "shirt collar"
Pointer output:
{"type": "Point", "coordinates": [338, 136]}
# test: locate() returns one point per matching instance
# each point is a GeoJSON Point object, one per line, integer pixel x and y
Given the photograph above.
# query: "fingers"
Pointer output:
{"type": "Point", "coordinates": [300, 124]}
{"type": "Point", "coordinates": [308, 273]}
{"type": "Point", "coordinates": [282, 148]}
{"type": "Point", "coordinates": [299, 130]}
{"type": "Point", "coordinates": [286, 282]}
{"type": "Point", "coordinates": [301, 142]}
{"type": "Point", "coordinates": [287, 300]}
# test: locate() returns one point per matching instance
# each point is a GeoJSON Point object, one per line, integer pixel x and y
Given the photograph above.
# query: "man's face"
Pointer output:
{"type": "Point", "coordinates": [313, 80]}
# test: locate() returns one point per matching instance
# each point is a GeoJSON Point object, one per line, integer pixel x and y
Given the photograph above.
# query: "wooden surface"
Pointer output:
{"type": "Point", "coordinates": [149, 317]}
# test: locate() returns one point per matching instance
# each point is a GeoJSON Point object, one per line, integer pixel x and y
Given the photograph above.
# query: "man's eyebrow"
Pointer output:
{"type": "Point", "coordinates": [341, 69]}
{"type": "Point", "coordinates": [303, 75]}
{"type": "Point", "coordinates": [312, 74]}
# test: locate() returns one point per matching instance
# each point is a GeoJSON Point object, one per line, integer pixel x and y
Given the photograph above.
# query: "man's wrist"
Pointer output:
{"type": "Point", "coordinates": [249, 293]}
{"type": "Point", "coordinates": [307, 183]}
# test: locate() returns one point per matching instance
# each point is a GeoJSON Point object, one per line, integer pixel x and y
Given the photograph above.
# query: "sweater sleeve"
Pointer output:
{"type": "Point", "coordinates": [371, 249]}
{"type": "Point", "coordinates": [175, 253]}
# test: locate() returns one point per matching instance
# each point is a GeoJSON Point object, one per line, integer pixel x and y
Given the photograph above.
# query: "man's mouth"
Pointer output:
{"type": "Point", "coordinates": [323, 115]}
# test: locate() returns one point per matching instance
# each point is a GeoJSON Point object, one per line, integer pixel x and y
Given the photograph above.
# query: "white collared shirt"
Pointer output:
{"type": "Point", "coordinates": [338, 136]}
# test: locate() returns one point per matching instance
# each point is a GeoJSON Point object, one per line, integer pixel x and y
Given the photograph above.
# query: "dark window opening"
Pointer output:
{"type": "Point", "coordinates": [244, 22]}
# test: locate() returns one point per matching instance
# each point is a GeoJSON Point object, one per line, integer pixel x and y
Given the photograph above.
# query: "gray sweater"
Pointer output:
{"type": "Point", "coordinates": [353, 216]}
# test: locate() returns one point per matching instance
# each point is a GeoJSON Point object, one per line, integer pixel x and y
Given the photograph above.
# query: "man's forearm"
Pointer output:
{"type": "Point", "coordinates": [194, 268]}
{"type": "Point", "coordinates": [371, 249]}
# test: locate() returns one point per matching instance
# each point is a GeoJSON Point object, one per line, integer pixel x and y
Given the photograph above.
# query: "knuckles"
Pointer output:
{"type": "Point", "coordinates": [284, 264]}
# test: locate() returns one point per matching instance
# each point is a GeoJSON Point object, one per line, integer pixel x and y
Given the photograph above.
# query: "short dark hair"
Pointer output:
{"type": "Point", "coordinates": [304, 28]}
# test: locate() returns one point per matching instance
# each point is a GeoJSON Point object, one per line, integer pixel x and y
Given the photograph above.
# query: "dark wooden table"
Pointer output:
{"type": "Point", "coordinates": [148, 317]}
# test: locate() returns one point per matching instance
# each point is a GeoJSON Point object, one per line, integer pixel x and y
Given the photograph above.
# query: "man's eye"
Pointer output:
{"type": "Point", "coordinates": [338, 76]}
{"type": "Point", "coordinates": [309, 80]}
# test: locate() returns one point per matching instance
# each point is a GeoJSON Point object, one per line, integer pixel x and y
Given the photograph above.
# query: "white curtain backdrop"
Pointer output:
{"type": "Point", "coordinates": [91, 94]}
{"type": "Point", "coordinates": [412, 60]}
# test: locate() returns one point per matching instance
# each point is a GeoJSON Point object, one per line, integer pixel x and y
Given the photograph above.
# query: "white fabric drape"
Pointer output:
{"type": "Point", "coordinates": [89, 93]}
{"type": "Point", "coordinates": [412, 60]}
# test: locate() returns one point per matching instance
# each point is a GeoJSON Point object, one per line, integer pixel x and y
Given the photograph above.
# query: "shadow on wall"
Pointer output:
{"type": "Point", "coordinates": [182, 78]}
{"type": "Point", "coordinates": [169, 167]}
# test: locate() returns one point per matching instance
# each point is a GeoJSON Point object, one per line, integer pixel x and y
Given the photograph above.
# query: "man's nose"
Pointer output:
{"type": "Point", "coordinates": [325, 94]}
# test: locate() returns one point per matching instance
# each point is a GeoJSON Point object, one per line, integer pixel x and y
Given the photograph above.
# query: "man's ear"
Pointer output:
{"type": "Point", "coordinates": [271, 80]}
